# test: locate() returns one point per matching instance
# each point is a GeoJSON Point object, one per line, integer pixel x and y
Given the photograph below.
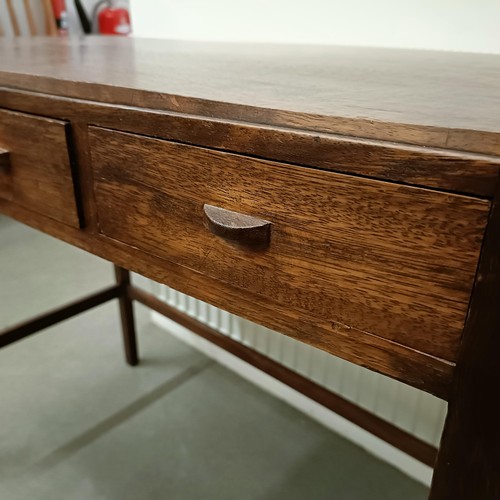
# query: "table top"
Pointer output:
{"type": "Point", "coordinates": [439, 99]}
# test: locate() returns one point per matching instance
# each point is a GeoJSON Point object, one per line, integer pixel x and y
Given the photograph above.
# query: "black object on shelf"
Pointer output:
{"type": "Point", "coordinates": [84, 20]}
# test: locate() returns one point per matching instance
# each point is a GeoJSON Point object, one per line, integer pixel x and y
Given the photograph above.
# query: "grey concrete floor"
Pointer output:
{"type": "Point", "coordinates": [76, 423]}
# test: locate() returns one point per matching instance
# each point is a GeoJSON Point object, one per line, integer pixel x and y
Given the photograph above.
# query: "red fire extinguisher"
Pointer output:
{"type": "Point", "coordinates": [112, 19]}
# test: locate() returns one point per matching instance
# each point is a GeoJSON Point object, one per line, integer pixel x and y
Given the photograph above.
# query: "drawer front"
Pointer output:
{"type": "Point", "coordinates": [344, 252]}
{"type": "Point", "coordinates": [36, 172]}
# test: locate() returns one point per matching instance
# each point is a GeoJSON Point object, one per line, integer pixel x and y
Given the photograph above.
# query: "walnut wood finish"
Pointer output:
{"type": "Point", "coordinates": [127, 316]}
{"type": "Point", "coordinates": [243, 229]}
{"type": "Point", "coordinates": [353, 199]}
{"type": "Point", "coordinates": [39, 175]}
{"type": "Point", "coordinates": [351, 254]}
{"type": "Point", "coordinates": [5, 178]}
{"type": "Point", "coordinates": [434, 168]}
{"type": "Point", "coordinates": [4, 159]}
{"type": "Point", "coordinates": [468, 464]}
{"type": "Point", "coordinates": [429, 98]}
{"type": "Point", "coordinates": [124, 290]}
{"type": "Point", "coordinates": [418, 369]}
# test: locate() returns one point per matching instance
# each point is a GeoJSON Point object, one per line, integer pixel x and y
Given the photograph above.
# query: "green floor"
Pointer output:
{"type": "Point", "coordinates": [77, 423]}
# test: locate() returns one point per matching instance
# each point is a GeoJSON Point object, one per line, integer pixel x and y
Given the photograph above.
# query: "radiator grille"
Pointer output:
{"type": "Point", "coordinates": [413, 410]}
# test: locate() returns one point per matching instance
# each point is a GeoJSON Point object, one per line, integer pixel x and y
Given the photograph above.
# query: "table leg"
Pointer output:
{"type": "Point", "coordinates": [127, 316]}
{"type": "Point", "coordinates": [468, 464]}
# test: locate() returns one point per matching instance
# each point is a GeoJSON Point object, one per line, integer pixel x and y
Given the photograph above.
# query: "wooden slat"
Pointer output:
{"type": "Point", "coordinates": [50, 21]}
{"type": "Point", "coordinates": [29, 17]}
{"type": "Point", "coordinates": [18, 332]}
{"type": "Point", "coordinates": [364, 419]}
{"type": "Point", "coordinates": [13, 18]}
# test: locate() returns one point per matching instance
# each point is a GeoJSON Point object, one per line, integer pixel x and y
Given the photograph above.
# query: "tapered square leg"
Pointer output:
{"type": "Point", "coordinates": [468, 464]}
{"type": "Point", "coordinates": [127, 316]}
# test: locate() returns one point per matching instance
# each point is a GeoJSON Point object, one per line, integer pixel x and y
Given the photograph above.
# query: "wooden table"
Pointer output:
{"type": "Point", "coordinates": [345, 197]}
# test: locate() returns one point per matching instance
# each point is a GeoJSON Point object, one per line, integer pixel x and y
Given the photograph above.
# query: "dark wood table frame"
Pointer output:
{"type": "Point", "coordinates": [405, 143]}
{"type": "Point", "coordinates": [126, 293]}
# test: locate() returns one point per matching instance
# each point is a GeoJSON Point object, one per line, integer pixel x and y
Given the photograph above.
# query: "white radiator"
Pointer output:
{"type": "Point", "coordinates": [410, 409]}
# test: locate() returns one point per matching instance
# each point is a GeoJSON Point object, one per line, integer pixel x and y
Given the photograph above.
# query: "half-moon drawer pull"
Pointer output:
{"type": "Point", "coordinates": [240, 228]}
{"type": "Point", "coordinates": [4, 160]}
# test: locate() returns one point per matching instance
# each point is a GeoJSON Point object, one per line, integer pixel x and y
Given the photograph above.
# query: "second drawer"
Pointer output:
{"type": "Point", "coordinates": [344, 252]}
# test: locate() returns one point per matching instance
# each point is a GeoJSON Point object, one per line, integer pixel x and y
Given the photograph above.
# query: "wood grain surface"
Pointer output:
{"type": "Point", "coordinates": [413, 367]}
{"type": "Point", "coordinates": [39, 174]}
{"type": "Point", "coordinates": [446, 100]}
{"type": "Point", "coordinates": [346, 253]}
{"type": "Point", "coordinates": [468, 463]}
{"type": "Point", "coordinates": [242, 229]}
{"type": "Point", "coordinates": [4, 159]}
{"type": "Point", "coordinates": [385, 172]}
{"type": "Point", "coordinates": [455, 171]}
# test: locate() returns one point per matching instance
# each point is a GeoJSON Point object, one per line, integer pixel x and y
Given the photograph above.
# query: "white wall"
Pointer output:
{"type": "Point", "coordinates": [462, 25]}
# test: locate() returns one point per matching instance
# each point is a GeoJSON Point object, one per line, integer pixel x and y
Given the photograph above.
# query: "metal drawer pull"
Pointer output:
{"type": "Point", "coordinates": [240, 228]}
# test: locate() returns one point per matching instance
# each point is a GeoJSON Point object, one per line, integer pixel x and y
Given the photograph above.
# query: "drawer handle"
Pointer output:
{"type": "Point", "coordinates": [240, 228]}
{"type": "Point", "coordinates": [4, 160]}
